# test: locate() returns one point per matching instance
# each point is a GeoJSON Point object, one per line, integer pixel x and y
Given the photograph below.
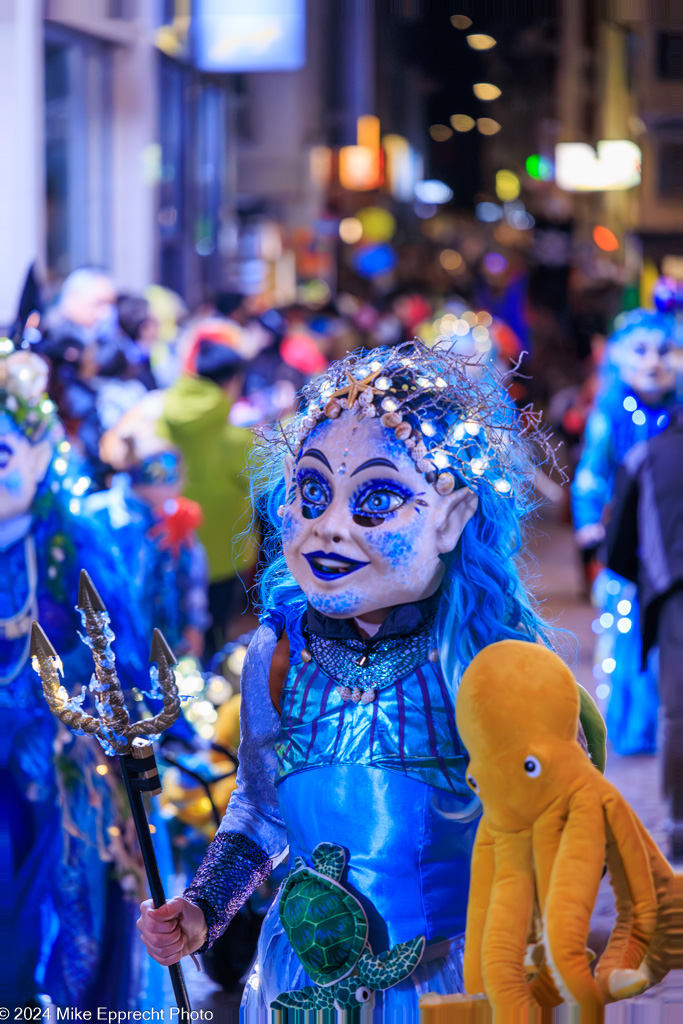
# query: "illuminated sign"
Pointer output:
{"type": "Point", "coordinates": [615, 166]}
{"type": "Point", "coordinates": [264, 35]}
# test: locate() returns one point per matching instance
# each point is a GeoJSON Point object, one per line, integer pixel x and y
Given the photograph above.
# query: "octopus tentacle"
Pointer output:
{"type": "Point", "coordinates": [508, 925]}
{"type": "Point", "coordinates": [546, 837]}
{"type": "Point", "coordinates": [574, 883]}
{"type": "Point", "coordinates": [665, 952]}
{"type": "Point", "coordinates": [616, 955]}
{"type": "Point", "coordinates": [636, 860]}
{"type": "Point", "coordinates": [482, 871]}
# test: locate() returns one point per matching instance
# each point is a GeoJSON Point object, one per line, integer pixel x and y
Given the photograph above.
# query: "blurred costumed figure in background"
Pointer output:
{"type": "Point", "coordinates": [155, 528]}
{"type": "Point", "coordinates": [68, 860]}
{"type": "Point", "coordinates": [196, 419]}
{"type": "Point", "coordinates": [633, 405]}
{"type": "Point", "coordinates": [392, 508]}
{"type": "Point", "coordinates": [95, 366]}
{"type": "Point", "coordinates": [645, 545]}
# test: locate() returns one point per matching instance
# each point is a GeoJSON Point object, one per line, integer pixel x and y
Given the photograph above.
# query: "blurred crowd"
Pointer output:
{"type": "Point", "coordinates": [161, 403]}
{"type": "Point", "coordinates": [137, 467]}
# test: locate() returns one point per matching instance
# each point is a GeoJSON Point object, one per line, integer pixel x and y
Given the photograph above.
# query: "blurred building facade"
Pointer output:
{"type": "Point", "coordinates": [81, 103]}
{"type": "Point", "coordinates": [135, 155]}
{"type": "Point", "coordinates": [140, 141]}
{"type": "Point", "coordinates": [621, 77]}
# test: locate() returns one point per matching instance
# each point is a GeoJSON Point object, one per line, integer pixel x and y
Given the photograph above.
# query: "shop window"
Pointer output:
{"type": "Point", "coordinates": [671, 170]}
{"type": "Point", "coordinates": [193, 185]}
{"type": "Point", "coordinates": [670, 55]}
{"type": "Point", "coordinates": [77, 151]}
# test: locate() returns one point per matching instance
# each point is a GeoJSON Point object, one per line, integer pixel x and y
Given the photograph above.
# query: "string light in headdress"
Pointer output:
{"type": "Point", "coordinates": [459, 431]}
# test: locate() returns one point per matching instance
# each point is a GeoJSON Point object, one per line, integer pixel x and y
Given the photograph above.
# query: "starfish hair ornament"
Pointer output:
{"type": "Point", "coordinates": [453, 415]}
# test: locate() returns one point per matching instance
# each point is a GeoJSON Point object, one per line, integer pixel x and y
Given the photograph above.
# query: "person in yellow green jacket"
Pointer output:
{"type": "Point", "coordinates": [195, 418]}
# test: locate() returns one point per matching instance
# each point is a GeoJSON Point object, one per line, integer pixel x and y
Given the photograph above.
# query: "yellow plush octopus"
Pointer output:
{"type": "Point", "coordinates": [550, 824]}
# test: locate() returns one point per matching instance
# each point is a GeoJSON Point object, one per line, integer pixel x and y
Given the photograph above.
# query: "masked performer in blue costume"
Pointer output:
{"type": "Point", "coordinates": [66, 920]}
{"type": "Point", "coordinates": [633, 405]}
{"type": "Point", "coordinates": [155, 527]}
{"type": "Point", "coordinates": [393, 507]}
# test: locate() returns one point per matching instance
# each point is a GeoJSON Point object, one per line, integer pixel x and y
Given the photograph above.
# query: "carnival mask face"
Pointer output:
{"type": "Point", "coordinates": [646, 362]}
{"type": "Point", "coordinates": [362, 529]}
{"type": "Point", "coordinates": [22, 467]}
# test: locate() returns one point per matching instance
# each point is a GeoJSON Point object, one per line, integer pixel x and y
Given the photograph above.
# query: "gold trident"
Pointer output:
{"type": "Point", "coordinates": [112, 726]}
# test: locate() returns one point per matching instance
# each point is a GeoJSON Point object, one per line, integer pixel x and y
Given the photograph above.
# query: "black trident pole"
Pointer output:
{"type": "Point", "coordinates": [113, 727]}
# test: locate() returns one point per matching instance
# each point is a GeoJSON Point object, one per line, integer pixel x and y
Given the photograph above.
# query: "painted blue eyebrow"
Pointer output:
{"type": "Point", "coordinates": [374, 462]}
{"type": "Point", "coordinates": [316, 454]}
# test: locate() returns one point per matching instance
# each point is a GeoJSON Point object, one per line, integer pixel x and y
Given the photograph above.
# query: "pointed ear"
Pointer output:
{"type": "Point", "coordinates": [288, 469]}
{"type": "Point", "coordinates": [459, 508]}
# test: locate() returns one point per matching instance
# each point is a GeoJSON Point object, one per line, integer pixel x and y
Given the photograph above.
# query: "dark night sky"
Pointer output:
{"type": "Point", "coordinates": [448, 67]}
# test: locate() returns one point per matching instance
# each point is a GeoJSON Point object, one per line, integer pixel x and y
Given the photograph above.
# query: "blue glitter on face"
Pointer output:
{"type": "Point", "coordinates": [341, 605]}
{"type": "Point", "coordinates": [396, 546]}
{"type": "Point", "coordinates": [291, 527]}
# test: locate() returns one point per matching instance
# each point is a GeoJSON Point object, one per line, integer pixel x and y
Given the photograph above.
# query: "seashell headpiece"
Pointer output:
{"type": "Point", "coordinates": [460, 427]}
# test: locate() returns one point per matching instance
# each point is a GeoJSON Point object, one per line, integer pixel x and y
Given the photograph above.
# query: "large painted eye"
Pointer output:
{"type": "Point", "coordinates": [315, 494]}
{"type": "Point", "coordinates": [362, 994]}
{"type": "Point", "coordinates": [381, 503]}
{"type": "Point", "coordinates": [312, 492]}
{"type": "Point", "coordinates": [532, 766]}
{"type": "Point", "coordinates": [472, 783]}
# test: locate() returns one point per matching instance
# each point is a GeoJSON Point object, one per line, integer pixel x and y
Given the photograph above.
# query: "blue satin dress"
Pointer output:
{"type": "Point", "coordinates": [385, 780]}
{"type": "Point", "coordinates": [611, 431]}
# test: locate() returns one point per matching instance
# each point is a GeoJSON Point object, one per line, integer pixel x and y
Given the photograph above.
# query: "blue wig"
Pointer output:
{"type": "Point", "coordinates": [637, 320]}
{"type": "Point", "coordinates": [464, 432]}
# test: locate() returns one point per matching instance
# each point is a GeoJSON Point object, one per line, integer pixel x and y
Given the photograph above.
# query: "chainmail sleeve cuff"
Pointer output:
{"type": "Point", "coordinates": [232, 868]}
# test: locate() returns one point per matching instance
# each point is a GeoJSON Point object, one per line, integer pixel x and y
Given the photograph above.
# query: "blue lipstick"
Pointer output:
{"type": "Point", "coordinates": [330, 566]}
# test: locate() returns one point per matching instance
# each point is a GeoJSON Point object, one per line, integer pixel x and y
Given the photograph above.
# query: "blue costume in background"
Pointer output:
{"type": "Point", "coordinates": [68, 920]}
{"type": "Point", "coordinates": [69, 865]}
{"type": "Point", "coordinates": [171, 583]}
{"type": "Point", "coordinates": [618, 421]}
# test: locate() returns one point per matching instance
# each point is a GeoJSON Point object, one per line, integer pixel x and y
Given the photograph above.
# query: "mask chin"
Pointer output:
{"type": "Point", "coordinates": [345, 604]}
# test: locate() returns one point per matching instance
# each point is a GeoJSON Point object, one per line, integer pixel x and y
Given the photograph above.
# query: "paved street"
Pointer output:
{"type": "Point", "coordinates": [558, 586]}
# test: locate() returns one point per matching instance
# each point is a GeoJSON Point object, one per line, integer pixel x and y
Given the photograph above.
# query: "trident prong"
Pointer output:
{"type": "Point", "coordinates": [112, 726]}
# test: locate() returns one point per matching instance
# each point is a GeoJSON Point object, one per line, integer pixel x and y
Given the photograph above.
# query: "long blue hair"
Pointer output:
{"type": "Point", "coordinates": [483, 596]}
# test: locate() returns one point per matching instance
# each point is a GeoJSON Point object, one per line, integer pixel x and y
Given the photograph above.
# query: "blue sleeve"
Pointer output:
{"type": "Point", "coordinates": [594, 478]}
{"type": "Point", "coordinates": [253, 809]}
{"type": "Point", "coordinates": [252, 834]}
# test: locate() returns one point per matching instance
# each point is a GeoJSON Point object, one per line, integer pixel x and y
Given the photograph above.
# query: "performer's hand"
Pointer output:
{"type": "Point", "coordinates": [172, 931]}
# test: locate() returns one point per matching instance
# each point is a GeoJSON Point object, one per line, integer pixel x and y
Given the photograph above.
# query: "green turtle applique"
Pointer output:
{"type": "Point", "coordinates": [328, 930]}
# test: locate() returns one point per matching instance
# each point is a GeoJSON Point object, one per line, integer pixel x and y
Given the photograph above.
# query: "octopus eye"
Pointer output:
{"type": "Point", "coordinates": [472, 783]}
{"type": "Point", "coordinates": [362, 994]}
{"type": "Point", "coordinates": [532, 766]}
